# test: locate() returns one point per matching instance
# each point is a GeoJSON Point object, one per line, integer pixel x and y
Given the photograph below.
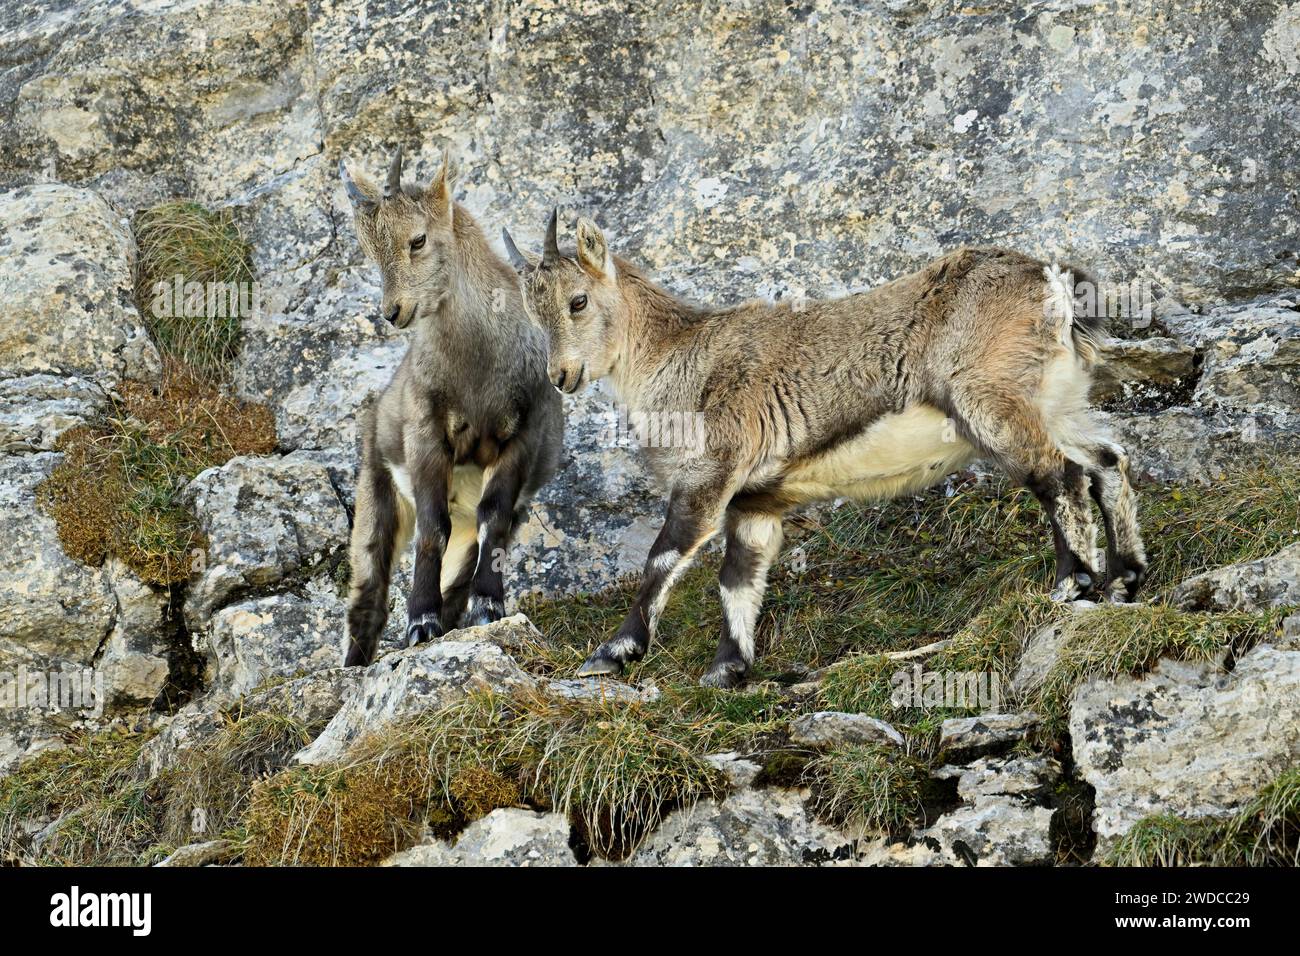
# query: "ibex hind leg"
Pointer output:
{"type": "Point", "coordinates": [458, 570]}
{"type": "Point", "coordinates": [1009, 428]}
{"type": "Point", "coordinates": [380, 532]}
{"type": "Point", "coordinates": [1126, 560]}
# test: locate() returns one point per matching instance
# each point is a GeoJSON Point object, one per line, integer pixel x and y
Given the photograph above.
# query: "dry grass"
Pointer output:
{"type": "Point", "coordinates": [117, 490]}
{"type": "Point", "coordinates": [867, 790]}
{"type": "Point", "coordinates": [614, 769]}
{"type": "Point", "coordinates": [104, 815]}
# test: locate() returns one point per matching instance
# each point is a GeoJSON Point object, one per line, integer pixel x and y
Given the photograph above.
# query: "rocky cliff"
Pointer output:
{"type": "Point", "coordinates": [736, 150]}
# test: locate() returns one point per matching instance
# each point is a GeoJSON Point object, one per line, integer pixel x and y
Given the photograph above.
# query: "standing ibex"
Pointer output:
{"type": "Point", "coordinates": [870, 396]}
{"type": "Point", "coordinates": [467, 430]}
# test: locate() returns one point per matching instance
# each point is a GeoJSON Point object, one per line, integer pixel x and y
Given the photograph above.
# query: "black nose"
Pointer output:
{"type": "Point", "coordinates": [392, 316]}
{"type": "Point", "coordinates": [559, 382]}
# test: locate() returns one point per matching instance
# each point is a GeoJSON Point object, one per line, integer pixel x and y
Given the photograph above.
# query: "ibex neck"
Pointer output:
{"type": "Point", "coordinates": [656, 324]}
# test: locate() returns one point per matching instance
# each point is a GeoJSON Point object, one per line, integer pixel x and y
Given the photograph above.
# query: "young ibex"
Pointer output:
{"type": "Point", "coordinates": [871, 396]}
{"type": "Point", "coordinates": [467, 430]}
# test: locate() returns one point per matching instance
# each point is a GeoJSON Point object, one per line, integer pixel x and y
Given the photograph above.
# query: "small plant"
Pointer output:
{"type": "Point", "coordinates": [1265, 832]}
{"type": "Point", "coordinates": [118, 488]}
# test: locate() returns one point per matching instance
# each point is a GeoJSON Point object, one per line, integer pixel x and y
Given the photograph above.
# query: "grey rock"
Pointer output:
{"type": "Point", "coordinates": [829, 728]}
{"type": "Point", "coordinates": [200, 854]}
{"type": "Point", "coordinates": [505, 837]}
{"type": "Point", "coordinates": [992, 831]}
{"type": "Point", "coordinates": [1001, 776]}
{"type": "Point", "coordinates": [974, 735]}
{"type": "Point", "coordinates": [1273, 581]}
{"type": "Point", "coordinates": [36, 409]}
{"type": "Point", "coordinates": [1186, 739]}
{"type": "Point", "coordinates": [53, 610]}
{"type": "Point", "coordinates": [281, 635]}
{"type": "Point", "coordinates": [66, 289]}
{"type": "Point", "coordinates": [600, 689]}
{"type": "Point", "coordinates": [740, 773]}
{"type": "Point", "coordinates": [418, 679]}
{"type": "Point", "coordinates": [752, 827]}
{"type": "Point", "coordinates": [269, 521]}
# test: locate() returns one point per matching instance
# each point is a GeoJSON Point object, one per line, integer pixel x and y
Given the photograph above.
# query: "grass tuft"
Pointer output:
{"type": "Point", "coordinates": [89, 800]}
{"type": "Point", "coordinates": [614, 769]}
{"type": "Point", "coordinates": [182, 241]}
{"type": "Point", "coordinates": [867, 790]}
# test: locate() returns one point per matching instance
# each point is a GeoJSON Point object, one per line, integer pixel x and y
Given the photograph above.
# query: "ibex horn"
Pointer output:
{"type": "Point", "coordinates": [517, 258]}
{"type": "Point", "coordinates": [551, 250]}
{"type": "Point", "coordinates": [394, 184]}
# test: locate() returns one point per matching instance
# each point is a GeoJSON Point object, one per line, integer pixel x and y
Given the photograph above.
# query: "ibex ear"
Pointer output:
{"type": "Point", "coordinates": [439, 192]}
{"type": "Point", "coordinates": [362, 192]}
{"type": "Point", "coordinates": [593, 251]}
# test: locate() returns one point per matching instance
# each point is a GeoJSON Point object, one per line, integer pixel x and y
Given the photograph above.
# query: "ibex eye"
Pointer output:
{"type": "Point", "coordinates": [417, 242]}
{"type": "Point", "coordinates": [577, 303]}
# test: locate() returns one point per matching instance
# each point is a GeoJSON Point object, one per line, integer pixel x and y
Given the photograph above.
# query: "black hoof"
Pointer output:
{"type": "Point", "coordinates": [724, 675]}
{"type": "Point", "coordinates": [425, 627]}
{"type": "Point", "coordinates": [482, 610]}
{"type": "Point", "coordinates": [598, 664]}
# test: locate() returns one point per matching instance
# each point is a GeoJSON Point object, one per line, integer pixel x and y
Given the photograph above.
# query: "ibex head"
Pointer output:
{"type": "Point", "coordinates": [407, 232]}
{"type": "Point", "coordinates": [577, 300]}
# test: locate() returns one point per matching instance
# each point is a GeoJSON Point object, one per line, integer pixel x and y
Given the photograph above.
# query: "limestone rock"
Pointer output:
{"type": "Point", "coordinates": [268, 521]}
{"type": "Point", "coordinates": [829, 728]}
{"type": "Point", "coordinates": [66, 289]}
{"type": "Point", "coordinates": [505, 837]}
{"type": "Point", "coordinates": [752, 827]}
{"type": "Point", "coordinates": [281, 635]}
{"type": "Point", "coordinates": [36, 409]}
{"type": "Point", "coordinates": [422, 678]}
{"type": "Point", "coordinates": [1251, 586]}
{"type": "Point", "coordinates": [1186, 739]}
{"type": "Point", "coordinates": [975, 735]}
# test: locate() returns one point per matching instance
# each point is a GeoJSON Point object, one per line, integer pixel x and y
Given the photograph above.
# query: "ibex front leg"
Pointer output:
{"type": "Point", "coordinates": [502, 482]}
{"type": "Point", "coordinates": [429, 465]}
{"type": "Point", "coordinates": [693, 518]}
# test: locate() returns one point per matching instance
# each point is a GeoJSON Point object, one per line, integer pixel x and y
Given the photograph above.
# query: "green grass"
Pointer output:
{"type": "Point", "coordinates": [183, 240]}
{"type": "Point", "coordinates": [1265, 832]}
{"type": "Point", "coordinates": [104, 815]}
{"type": "Point", "coordinates": [614, 769]}
{"type": "Point", "coordinates": [867, 790]}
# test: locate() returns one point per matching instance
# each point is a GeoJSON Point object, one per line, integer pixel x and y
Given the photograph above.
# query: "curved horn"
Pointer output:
{"type": "Point", "coordinates": [394, 183]}
{"type": "Point", "coordinates": [355, 195]}
{"type": "Point", "coordinates": [517, 258]}
{"type": "Point", "coordinates": [551, 250]}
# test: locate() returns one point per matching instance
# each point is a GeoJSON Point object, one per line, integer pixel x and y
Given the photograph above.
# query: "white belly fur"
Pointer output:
{"type": "Point", "coordinates": [898, 454]}
{"type": "Point", "coordinates": [462, 501]}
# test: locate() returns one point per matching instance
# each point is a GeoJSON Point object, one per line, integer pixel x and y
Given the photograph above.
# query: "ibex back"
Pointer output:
{"type": "Point", "coordinates": [980, 353]}
{"type": "Point", "coordinates": [467, 430]}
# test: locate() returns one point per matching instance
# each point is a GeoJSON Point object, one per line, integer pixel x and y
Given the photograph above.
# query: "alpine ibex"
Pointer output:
{"type": "Point", "coordinates": [467, 430]}
{"type": "Point", "coordinates": [980, 353]}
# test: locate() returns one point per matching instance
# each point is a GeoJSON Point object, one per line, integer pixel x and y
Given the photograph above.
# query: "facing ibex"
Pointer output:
{"type": "Point", "coordinates": [980, 353]}
{"type": "Point", "coordinates": [467, 430]}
